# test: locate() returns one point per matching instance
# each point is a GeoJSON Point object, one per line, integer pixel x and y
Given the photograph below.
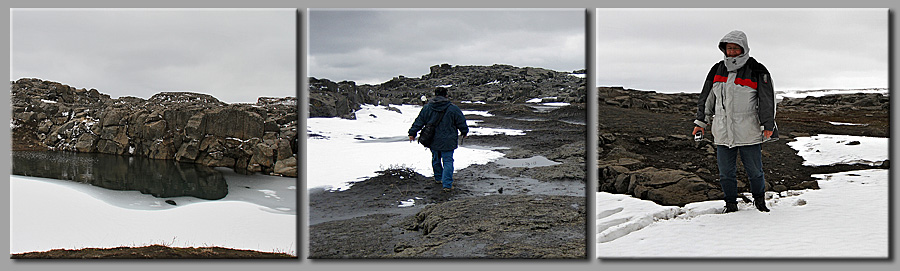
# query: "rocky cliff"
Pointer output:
{"type": "Point", "coordinates": [490, 84]}
{"type": "Point", "coordinates": [184, 126]}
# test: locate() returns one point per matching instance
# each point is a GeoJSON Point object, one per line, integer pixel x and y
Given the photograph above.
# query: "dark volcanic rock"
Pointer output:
{"type": "Point", "coordinates": [184, 126]}
{"type": "Point", "coordinates": [645, 148]}
{"type": "Point", "coordinates": [664, 186]}
{"type": "Point", "coordinates": [491, 84]}
{"type": "Point", "coordinates": [496, 226]}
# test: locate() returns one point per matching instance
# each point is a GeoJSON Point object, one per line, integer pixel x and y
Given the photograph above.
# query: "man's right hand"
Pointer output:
{"type": "Point", "coordinates": [411, 138]}
{"type": "Point", "coordinates": [698, 129]}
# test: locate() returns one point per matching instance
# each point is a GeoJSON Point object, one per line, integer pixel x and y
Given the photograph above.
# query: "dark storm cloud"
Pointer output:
{"type": "Point", "coordinates": [671, 50]}
{"type": "Point", "coordinates": [236, 55]}
{"type": "Point", "coordinates": [374, 45]}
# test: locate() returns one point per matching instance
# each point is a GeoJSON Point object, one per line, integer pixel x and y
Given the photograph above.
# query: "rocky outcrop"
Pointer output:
{"type": "Point", "coordinates": [650, 100]}
{"type": "Point", "coordinates": [182, 126]}
{"type": "Point", "coordinates": [831, 104]}
{"type": "Point", "coordinates": [491, 84]}
{"type": "Point", "coordinates": [663, 186]}
{"type": "Point", "coordinates": [645, 149]}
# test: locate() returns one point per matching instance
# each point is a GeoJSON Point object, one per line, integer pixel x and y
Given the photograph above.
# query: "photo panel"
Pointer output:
{"type": "Point", "coordinates": [153, 133]}
{"type": "Point", "coordinates": [708, 149]}
{"type": "Point", "coordinates": [500, 93]}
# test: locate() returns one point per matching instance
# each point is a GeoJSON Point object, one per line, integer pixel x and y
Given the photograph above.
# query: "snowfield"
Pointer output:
{"type": "Point", "coordinates": [825, 149]}
{"type": "Point", "coordinates": [377, 140]}
{"type": "Point", "coordinates": [50, 214]}
{"type": "Point", "coordinates": [847, 217]}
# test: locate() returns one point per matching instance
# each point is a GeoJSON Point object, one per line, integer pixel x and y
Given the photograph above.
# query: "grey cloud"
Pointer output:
{"type": "Point", "coordinates": [374, 45]}
{"type": "Point", "coordinates": [804, 48]}
{"type": "Point", "coordinates": [235, 55]}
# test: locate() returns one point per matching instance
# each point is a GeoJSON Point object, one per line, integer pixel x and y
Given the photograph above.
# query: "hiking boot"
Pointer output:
{"type": "Point", "coordinates": [731, 207]}
{"type": "Point", "coordinates": [760, 204]}
{"type": "Point", "coordinates": [447, 190]}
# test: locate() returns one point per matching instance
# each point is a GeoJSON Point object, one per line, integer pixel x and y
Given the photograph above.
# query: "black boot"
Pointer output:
{"type": "Point", "coordinates": [760, 204]}
{"type": "Point", "coordinates": [731, 207]}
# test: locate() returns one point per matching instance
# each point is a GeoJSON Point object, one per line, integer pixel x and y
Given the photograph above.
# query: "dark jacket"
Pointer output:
{"type": "Point", "coordinates": [446, 135]}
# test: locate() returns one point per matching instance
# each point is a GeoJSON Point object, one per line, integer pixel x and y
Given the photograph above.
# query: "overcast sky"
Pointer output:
{"type": "Point", "coordinates": [236, 55]}
{"type": "Point", "coordinates": [371, 46]}
{"type": "Point", "coordinates": [672, 50]}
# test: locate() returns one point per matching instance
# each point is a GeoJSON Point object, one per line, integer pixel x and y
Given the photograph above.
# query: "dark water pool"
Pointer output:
{"type": "Point", "coordinates": [160, 178]}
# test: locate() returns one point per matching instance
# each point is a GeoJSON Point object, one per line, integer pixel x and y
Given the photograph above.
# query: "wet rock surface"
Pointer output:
{"type": "Point", "coordinates": [646, 150]}
{"type": "Point", "coordinates": [496, 226]}
{"type": "Point", "coordinates": [494, 210]}
{"type": "Point", "coordinates": [181, 126]}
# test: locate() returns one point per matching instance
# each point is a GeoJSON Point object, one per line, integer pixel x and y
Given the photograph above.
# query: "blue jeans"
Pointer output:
{"type": "Point", "coordinates": [442, 163]}
{"type": "Point", "coordinates": [751, 156]}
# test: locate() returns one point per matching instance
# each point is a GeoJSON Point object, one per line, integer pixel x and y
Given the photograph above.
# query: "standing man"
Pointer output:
{"type": "Point", "coordinates": [449, 120]}
{"type": "Point", "coordinates": [738, 101]}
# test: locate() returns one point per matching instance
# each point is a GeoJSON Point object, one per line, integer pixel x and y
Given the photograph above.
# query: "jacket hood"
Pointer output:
{"type": "Point", "coordinates": [737, 37]}
{"type": "Point", "coordinates": [439, 103]}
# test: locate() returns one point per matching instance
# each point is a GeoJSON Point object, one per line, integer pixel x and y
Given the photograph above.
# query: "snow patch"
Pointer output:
{"type": "Point", "coordinates": [375, 140]}
{"type": "Point", "coordinates": [846, 123]}
{"type": "Point", "coordinates": [407, 203]}
{"type": "Point", "coordinates": [827, 149]}
{"type": "Point", "coordinates": [484, 131]}
{"type": "Point", "coordinates": [477, 112]}
{"type": "Point", "coordinates": [556, 104]}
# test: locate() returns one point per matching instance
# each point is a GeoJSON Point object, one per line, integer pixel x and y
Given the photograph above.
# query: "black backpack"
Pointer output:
{"type": "Point", "coordinates": [426, 136]}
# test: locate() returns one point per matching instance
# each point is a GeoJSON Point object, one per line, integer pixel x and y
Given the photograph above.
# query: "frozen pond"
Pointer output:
{"type": "Point", "coordinates": [104, 201]}
{"type": "Point", "coordinates": [151, 184]}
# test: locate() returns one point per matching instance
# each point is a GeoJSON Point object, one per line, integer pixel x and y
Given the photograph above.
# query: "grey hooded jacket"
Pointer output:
{"type": "Point", "coordinates": [738, 98]}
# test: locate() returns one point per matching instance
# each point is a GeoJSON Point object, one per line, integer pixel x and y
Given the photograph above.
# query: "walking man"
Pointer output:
{"type": "Point", "coordinates": [451, 123]}
{"type": "Point", "coordinates": [737, 104]}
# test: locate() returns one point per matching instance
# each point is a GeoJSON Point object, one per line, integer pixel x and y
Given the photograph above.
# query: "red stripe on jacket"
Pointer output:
{"type": "Point", "coordinates": [740, 81]}
{"type": "Point", "coordinates": [745, 82]}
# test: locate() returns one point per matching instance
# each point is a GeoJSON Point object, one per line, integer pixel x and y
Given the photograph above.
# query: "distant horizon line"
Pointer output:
{"type": "Point", "coordinates": [502, 64]}
{"type": "Point", "coordinates": [147, 98]}
{"type": "Point", "coordinates": [777, 91]}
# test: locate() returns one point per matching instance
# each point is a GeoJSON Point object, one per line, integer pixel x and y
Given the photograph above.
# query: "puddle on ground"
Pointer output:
{"type": "Point", "coordinates": [386, 139]}
{"type": "Point", "coordinates": [530, 119]}
{"type": "Point", "coordinates": [494, 184]}
{"type": "Point", "coordinates": [530, 162]}
{"type": "Point", "coordinates": [543, 108]}
{"type": "Point", "coordinates": [575, 122]}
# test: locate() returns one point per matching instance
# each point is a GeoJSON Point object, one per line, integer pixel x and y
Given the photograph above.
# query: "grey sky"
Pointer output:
{"type": "Point", "coordinates": [672, 50]}
{"type": "Point", "coordinates": [236, 55]}
{"type": "Point", "coordinates": [371, 46]}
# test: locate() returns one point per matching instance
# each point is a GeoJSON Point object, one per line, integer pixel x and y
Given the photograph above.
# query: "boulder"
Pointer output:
{"type": "Point", "coordinates": [86, 143]}
{"type": "Point", "coordinates": [663, 186]}
{"type": "Point", "coordinates": [286, 167]}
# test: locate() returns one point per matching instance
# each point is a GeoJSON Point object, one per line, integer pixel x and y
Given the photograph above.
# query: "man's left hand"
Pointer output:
{"type": "Point", "coordinates": [767, 134]}
{"type": "Point", "coordinates": [411, 138]}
